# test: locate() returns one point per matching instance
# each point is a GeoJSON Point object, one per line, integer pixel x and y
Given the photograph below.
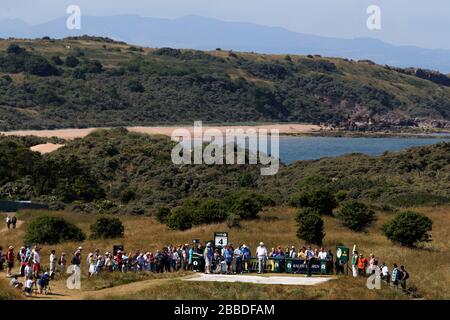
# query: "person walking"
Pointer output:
{"type": "Point", "coordinates": [261, 254]}
{"type": "Point", "coordinates": [404, 277]}
{"type": "Point", "coordinates": [8, 221]}
{"type": "Point", "coordinates": [385, 273]}
{"type": "Point", "coordinates": [14, 221]}
{"type": "Point", "coordinates": [10, 261]}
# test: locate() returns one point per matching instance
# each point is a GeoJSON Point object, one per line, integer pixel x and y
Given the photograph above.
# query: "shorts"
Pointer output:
{"type": "Point", "coordinates": [207, 262]}
{"type": "Point", "coordinates": [36, 267]}
{"type": "Point", "coordinates": [10, 264]}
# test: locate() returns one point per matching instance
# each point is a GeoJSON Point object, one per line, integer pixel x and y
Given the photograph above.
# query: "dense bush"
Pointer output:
{"type": "Point", "coordinates": [162, 213]}
{"type": "Point", "coordinates": [245, 204]}
{"type": "Point", "coordinates": [355, 215]}
{"type": "Point", "coordinates": [180, 218]}
{"type": "Point", "coordinates": [321, 200]}
{"type": "Point", "coordinates": [107, 228]}
{"type": "Point", "coordinates": [408, 228]}
{"type": "Point", "coordinates": [52, 230]}
{"type": "Point", "coordinates": [72, 61]}
{"type": "Point", "coordinates": [310, 226]}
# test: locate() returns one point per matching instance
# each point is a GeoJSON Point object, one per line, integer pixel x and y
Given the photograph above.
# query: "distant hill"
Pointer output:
{"type": "Point", "coordinates": [207, 34]}
{"type": "Point", "coordinates": [98, 82]}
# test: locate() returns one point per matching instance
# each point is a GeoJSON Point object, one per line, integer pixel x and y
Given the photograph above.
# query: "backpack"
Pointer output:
{"type": "Point", "coordinates": [406, 275]}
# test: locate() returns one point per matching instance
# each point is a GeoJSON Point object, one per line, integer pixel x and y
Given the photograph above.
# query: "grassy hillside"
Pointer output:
{"type": "Point", "coordinates": [91, 82]}
{"type": "Point", "coordinates": [117, 171]}
{"type": "Point", "coordinates": [428, 265]}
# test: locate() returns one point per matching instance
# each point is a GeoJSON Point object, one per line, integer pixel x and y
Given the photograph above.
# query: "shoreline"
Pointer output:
{"type": "Point", "coordinates": [290, 130]}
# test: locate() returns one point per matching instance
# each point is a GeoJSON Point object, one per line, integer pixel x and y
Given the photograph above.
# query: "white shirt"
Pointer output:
{"type": "Point", "coordinates": [36, 257]}
{"type": "Point", "coordinates": [29, 284]}
{"type": "Point", "coordinates": [261, 251]}
{"type": "Point", "coordinates": [322, 255]}
{"type": "Point", "coordinates": [385, 270]}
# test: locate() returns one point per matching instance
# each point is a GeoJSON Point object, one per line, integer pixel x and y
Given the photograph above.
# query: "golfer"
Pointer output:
{"type": "Point", "coordinates": [261, 253]}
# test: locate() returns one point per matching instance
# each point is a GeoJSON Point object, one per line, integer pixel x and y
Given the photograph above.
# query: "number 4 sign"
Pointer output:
{"type": "Point", "coordinates": [220, 239]}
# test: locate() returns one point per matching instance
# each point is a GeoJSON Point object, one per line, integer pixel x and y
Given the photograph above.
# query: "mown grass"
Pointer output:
{"type": "Point", "coordinates": [428, 265]}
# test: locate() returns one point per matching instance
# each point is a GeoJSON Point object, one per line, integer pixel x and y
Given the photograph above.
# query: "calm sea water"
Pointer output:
{"type": "Point", "coordinates": [310, 148]}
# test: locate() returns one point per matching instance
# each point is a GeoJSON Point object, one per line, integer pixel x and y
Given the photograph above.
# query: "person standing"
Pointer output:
{"type": "Point", "coordinates": [36, 261]}
{"type": "Point", "coordinates": [355, 259]}
{"type": "Point", "coordinates": [62, 263]}
{"type": "Point", "coordinates": [310, 256]}
{"type": "Point", "coordinates": [372, 264]}
{"type": "Point", "coordinates": [246, 255]}
{"type": "Point", "coordinates": [22, 257]}
{"type": "Point", "coordinates": [207, 255]}
{"type": "Point", "coordinates": [8, 221]}
{"type": "Point", "coordinates": [261, 254]}
{"type": "Point", "coordinates": [53, 260]}
{"type": "Point", "coordinates": [10, 261]}
{"type": "Point", "coordinates": [238, 260]}
{"type": "Point", "coordinates": [385, 273]}
{"type": "Point", "coordinates": [405, 276]}
{"type": "Point", "coordinates": [394, 277]}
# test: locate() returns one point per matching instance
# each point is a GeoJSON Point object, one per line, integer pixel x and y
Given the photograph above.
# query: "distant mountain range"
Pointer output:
{"type": "Point", "coordinates": [208, 34]}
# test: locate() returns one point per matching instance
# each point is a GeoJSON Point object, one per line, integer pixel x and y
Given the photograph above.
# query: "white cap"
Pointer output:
{"type": "Point", "coordinates": [261, 243]}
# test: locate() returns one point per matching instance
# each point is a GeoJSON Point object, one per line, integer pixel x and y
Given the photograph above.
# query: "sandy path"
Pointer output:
{"type": "Point", "coordinates": [284, 280]}
{"type": "Point", "coordinates": [4, 228]}
{"type": "Point", "coordinates": [46, 147]}
{"type": "Point", "coordinates": [70, 134]}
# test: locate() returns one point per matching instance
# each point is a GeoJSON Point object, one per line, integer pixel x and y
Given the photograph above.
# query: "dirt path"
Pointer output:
{"type": "Point", "coordinates": [4, 228]}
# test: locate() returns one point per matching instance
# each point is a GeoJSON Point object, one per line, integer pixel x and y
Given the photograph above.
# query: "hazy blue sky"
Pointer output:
{"type": "Point", "coordinates": [424, 23]}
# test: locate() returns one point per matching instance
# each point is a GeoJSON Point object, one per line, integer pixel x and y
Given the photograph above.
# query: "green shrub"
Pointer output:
{"type": "Point", "coordinates": [310, 226]}
{"type": "Point", "coordinates": [162, 213]}
{"type": "Point", "coordinates": [107, 228]}
{"type": "Point", "coordinates": [408, 228]}
{"type": "Point", "coordinates": [52, 230]}
{"type": "Point", "coordinates": [245, 204]}
{"type": "Point", "coordinates": [135, 86]}
{"type": "Point", "coordinates": [355, 215]}
{"type": "Point", "coordinates": [72, 61]}
{"type": "Point", "coordinates": [208, 211]}
{"type": "Point", "coordinates": [180, 218]}
{"type": "Point", "coordinates": [321, 200]}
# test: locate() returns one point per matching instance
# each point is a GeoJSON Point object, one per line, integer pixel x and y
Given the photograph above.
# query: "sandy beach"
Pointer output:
{"type": "Point", "coordinates": [70, 134]}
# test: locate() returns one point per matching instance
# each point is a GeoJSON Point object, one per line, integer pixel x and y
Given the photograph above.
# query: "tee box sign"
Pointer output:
{"type": "Point", "coordinates": [220, 239]}
{"type": "Point", "coordinates": [342, 254]}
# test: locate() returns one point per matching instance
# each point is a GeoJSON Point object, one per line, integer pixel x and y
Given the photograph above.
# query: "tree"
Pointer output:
{"type": "Point", "coordinates": [408, 228]}
{"type": "Point", "coordinates": [107, 228]}
{"type": "Point", "coordinates": [355, 215]}
{"type": "Point", "coordinates": [310, 226]}
{"type": "Point", "coordinates": [52, 230]}
{"type": "Point", "coordinates": [322, 200]}
{"type": "Point", "coordinates": [208, 211]}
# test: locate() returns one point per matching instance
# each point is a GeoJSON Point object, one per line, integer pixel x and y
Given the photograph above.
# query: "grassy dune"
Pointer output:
{"type": "Point", "coordinates": [429, 265]}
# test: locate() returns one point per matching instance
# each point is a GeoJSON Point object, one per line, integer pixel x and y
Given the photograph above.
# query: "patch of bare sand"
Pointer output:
{"type": "Point", "coordinates": [70, 134]}
{"type": "Point", "coordinates": [46, 147]}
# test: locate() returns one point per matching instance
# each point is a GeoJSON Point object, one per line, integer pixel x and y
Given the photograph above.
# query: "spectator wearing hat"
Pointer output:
{"type": "Point", "coordinates": [208, 255]}
{"type": "Point", "coordinates": [261, 254]}
{"type": "Point", "coordinates": [36, 261]}
{"type": "Point", "coordinates": [62, 263]}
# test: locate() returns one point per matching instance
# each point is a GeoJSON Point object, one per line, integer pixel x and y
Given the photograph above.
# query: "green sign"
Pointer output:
{"type": "Point", "coordinates": [342, 254]}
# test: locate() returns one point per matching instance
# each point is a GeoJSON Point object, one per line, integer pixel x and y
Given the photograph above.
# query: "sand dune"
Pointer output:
{"type": "Point", "coordinates": [70, 134]}
{"type": "Point", "coordinates": [46, 147]}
